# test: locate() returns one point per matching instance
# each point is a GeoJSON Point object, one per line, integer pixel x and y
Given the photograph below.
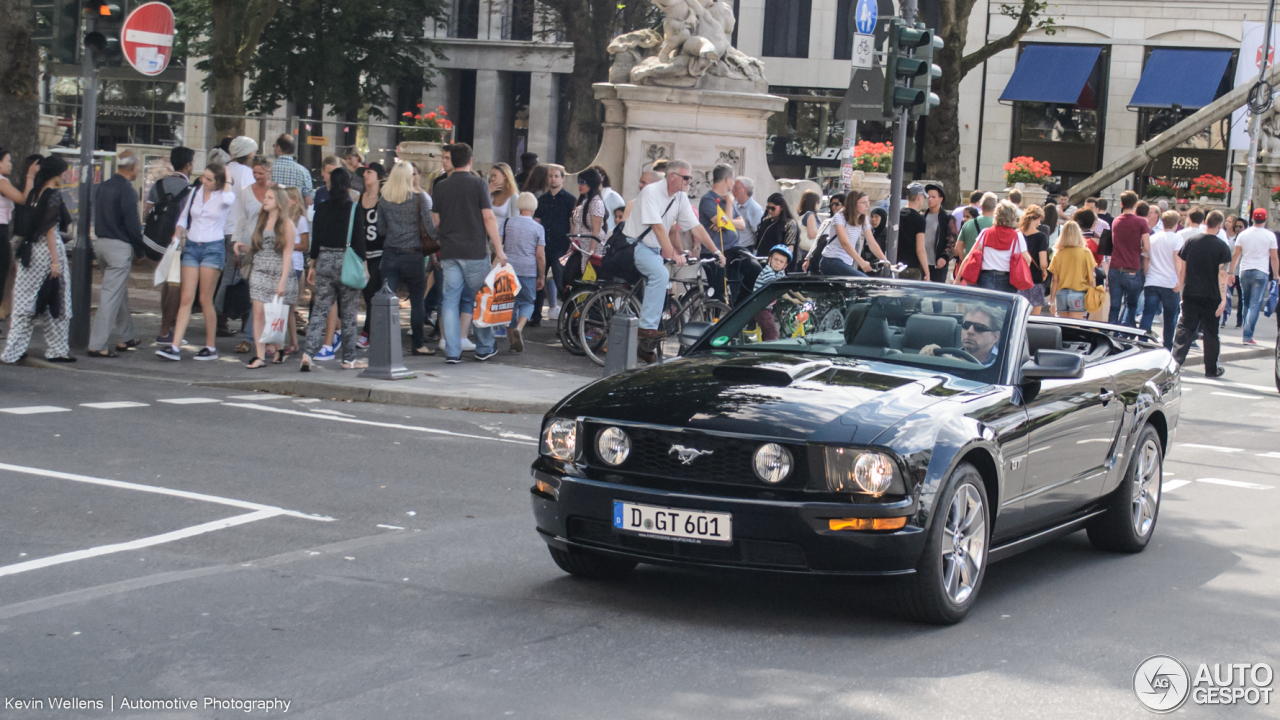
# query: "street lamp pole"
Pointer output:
{"type": "Point", "coordinates": [899, 157]}
{"type": "Point", "coordinates": [81, 264]}
{"type": "Point", "coordinates": [1259, 102]}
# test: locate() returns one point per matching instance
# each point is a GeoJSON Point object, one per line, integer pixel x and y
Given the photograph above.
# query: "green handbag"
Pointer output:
{"type": "Point", "coordinates": [353, 273]}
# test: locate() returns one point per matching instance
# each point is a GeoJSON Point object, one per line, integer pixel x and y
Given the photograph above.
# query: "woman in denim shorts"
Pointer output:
{"type": "Point", "coordinates": [203, 255]}
{"type": "Point", "coordinates": [1072, 269]}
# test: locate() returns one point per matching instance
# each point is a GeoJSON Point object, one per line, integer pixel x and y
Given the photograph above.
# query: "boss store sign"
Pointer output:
{"type": "Point", "coordinates": [1188, 163]}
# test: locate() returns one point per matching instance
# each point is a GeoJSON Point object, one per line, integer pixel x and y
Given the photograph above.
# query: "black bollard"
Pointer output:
{"type": "Point", "coordinates": [623, 342]}
{"type": "Point", "coordinates": [385, 351]}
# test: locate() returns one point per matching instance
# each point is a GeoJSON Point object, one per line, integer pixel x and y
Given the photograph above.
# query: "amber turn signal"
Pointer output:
{"type": "Point", "coordinates": [892, 523]}
{"type": "Point", "coordinates": [546, 488]}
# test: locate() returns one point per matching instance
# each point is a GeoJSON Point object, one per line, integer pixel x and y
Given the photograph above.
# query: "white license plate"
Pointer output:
{"type": "Point", "coordinates": [691, 526]}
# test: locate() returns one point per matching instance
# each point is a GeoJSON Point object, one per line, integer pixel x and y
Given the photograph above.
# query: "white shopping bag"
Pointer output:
{"type": "Point", "coordinates": [169, 269]}
{"type": "Point", "coordinates": [273, 331]}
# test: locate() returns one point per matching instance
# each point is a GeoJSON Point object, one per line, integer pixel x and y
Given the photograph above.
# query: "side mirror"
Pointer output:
{"type": "Point", "coordinates": [1054, 365]}
{"type": "Point", "coordinates": [690, 333]}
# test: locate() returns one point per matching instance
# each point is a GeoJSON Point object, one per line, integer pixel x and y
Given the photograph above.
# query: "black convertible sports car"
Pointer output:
{"type": "Point", "coordinates": [864, 427]}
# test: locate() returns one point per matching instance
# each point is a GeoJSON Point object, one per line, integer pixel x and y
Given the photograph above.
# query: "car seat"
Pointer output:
{"type": "Point", "coordinates": [921, 330]}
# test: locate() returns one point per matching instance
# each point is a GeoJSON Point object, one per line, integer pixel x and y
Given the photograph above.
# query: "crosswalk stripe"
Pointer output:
{"type": "Point", "coordinates": [189, 401]}
{"type": "Point", "coordinates": [1214, 448]}
{"type": "Point", "coordinates": [113, 405]}
{"type": "Point", "coordinates": [258, 396]}
{"type": "Point", "coordinates": [1242, 396]}
{"type": "Point", "coordinates": [34, 410]}
{"type": "Point", "coordinates": [1234, 483]}
{"type": "Point", "coordinates": [1171, 485]}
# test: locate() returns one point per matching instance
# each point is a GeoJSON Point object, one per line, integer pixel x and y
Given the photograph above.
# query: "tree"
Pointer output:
{"type": "Point", "coordinates": [226, 34]}
{"type": "Point", "coordinates": [342, 53]}
{"type": "Point", "coordinates": [942, 137]}
{"type": "Point", "coordinates": [19, 65]}
{"type": "Point", "coordinates": [590, 25]}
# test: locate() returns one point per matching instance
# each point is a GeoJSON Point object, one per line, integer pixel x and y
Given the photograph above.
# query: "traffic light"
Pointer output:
{"type": "Point", "coordinates": [57, 29]}
{"type": "Point", "coordinates": [103, 21]}
{"type": "Point", "coordinates": [909, 69]}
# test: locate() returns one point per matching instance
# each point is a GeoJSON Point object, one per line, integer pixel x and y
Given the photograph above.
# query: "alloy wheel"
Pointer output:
{"type": "Point", "coordinates": [1146, 489]}
{"type": "Point", "coordinates": [964, 541]}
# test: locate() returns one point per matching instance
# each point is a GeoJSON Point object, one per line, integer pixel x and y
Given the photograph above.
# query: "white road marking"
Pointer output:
{"type": "Point", "coordinates": [34, 410]}
{"type": "Point", "coordinates": [397, 426]}
{"type": "Point", "coordinates": [159, 491]}
{"type": "Point", "coordinates": [1234, 483]}
{"type": "Point", "coordinates": [189, 401]}
{"type": "Point", "coordinates": [1269, 455]}
{"type": "Point", "coordinates": [335, 413]}
{"type": "Point", "coordinates": [1214, 448]}
{"type": "Point", "coordinates": [391, 527]}
{"type": "Point", "coordinates": [229, 359]}
{"type": "Point", "coordinates": [1229, 383]}
{"type": "Point", "coordinates": [113, 405]}
{"type": "Point", "coordinates": [306, 400]}
{"type": "Point", "coordinates": [258, 396]}
{"type": "Point", "coordinates": [142, 543]}
{"type": "Point", "coordinates": [1240, 395]}
{"type": "Point", "coordinates": [1171, 485]}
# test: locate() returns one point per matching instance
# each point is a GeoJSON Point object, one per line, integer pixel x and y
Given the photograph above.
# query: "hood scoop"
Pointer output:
{"type": "Point", "coordinates": [774, 373]}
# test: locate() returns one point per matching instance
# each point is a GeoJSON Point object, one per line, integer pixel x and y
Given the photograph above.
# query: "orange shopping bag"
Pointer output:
{"type": "Point", "coordinates": [497, 299]}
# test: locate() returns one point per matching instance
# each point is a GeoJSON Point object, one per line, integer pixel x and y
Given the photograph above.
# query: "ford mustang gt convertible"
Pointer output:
{"type": "Point", "coordinates": [863, 427]}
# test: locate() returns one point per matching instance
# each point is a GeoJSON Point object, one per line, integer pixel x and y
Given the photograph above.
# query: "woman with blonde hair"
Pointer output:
{"type": "Point", "coordinates": [401, 212]}
{"type": "Point", "coordinates": [1038, 250]}
{"type": "Point", "coordinates": [272, 274]}
{"type": "Point", "coordinates": [503, 191]}
{"type": "Point", "coordinates": [999, 242]}
{"type": "Point", "coordinates": [1072, 269]}
{"type": "Point", "coordinates": [301, 244]}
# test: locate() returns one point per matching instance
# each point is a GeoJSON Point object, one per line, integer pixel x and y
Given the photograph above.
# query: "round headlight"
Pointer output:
{"type": "Point", "coordinates": [873, 472]}
{"type": "Point", "coordinates": [772, 463]}
{"type": "Point", "coordinates": [613, 445]}
{"type": "Point", "coordinates": [560, 439]}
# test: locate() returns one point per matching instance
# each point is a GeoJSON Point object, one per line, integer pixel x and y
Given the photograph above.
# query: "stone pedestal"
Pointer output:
{"type": "Point", "coordinates": [703, 127]}
{"type": "Point", "coordinates": [427, 154]}
{"type": "Point", "coordinates": [876, 185]}
{"type": "Point", "coordinates": [1032, 194]}
{"type": "Point", "coordinates": [1266, 176]}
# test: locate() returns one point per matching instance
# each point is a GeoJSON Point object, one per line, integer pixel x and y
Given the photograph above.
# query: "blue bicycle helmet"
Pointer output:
{"type": "Point", "coordinates": [781, 249]}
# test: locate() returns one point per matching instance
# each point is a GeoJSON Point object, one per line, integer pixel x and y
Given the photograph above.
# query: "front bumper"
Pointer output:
{"type": "Point", "coordinates": [573, 512]}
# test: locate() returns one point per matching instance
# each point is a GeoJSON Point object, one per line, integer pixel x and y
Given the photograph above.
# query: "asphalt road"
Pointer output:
{"type": "Point", "coordinates": [366, 561]}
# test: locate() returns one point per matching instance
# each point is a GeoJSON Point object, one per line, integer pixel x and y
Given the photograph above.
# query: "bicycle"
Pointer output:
{"type": "Point", "coordinates": [576, 294]}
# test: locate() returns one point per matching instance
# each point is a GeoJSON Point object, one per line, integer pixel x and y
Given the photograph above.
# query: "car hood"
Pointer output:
{"type": "Point", "coordinates": [767, 394]}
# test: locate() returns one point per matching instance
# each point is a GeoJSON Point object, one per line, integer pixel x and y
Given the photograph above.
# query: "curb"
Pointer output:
{"type": "Point", "coordinates": [327, 391]}
{"type": "Point", "coordinates": [1231, 356]}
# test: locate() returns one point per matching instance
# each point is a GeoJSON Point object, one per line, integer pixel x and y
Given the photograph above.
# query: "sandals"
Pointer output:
{"type": "Point", "coordinates": [243, 347]}
{"type": "Point", "coordinates": [255, 363]}
{"type": "Point", "coordinates": [422, 351]}
{"type": "Point", "coordinates": [102, 354]}
{"type": "Point", "coordinates": [354, 365]}
{"type": "Point", "coordinates": [63, 359]}
{"type": "Point", "coordinates": [126, 345]}
{"type": "Point", "coordinates": [279, 358]}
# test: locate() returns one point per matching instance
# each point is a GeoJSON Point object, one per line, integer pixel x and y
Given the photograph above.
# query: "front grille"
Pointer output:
{"type": "Point", "coordinates": [758, 553]}
{"type": "Point", "coordinates": [730, 460]}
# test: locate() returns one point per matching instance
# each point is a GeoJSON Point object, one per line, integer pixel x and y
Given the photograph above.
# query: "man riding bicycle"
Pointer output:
{"type": "Point", "coordinates": [659, 206]}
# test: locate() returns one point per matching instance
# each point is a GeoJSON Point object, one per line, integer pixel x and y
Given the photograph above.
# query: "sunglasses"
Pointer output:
{"type": "Point", "coordinates": [976, 326]}
{"type": "Point", "coordinates": [771, 208]}
{"type": "Point", "coordinates": [686, 178]}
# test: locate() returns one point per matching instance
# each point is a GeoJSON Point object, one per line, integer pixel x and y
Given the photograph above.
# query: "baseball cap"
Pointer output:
{"type": "Point", "coordinates": [1260, 214]}
{"type": "Point", "coordinates": [915, 189]}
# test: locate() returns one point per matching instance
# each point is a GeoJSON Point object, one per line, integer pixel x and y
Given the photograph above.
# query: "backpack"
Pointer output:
{"type": "Point", "coordinates": [620, 254]}
{"type": "Point", "coordinates": [162, 221]}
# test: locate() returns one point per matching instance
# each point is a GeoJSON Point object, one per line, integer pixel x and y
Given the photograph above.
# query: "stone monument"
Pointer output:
{"type": "Point", "coordinates": [686, 93]}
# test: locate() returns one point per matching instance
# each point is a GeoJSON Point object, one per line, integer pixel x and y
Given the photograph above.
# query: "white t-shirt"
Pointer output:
{"type": "Point", "coordinates": [998, 260]}
{"type": "Point", "coordinates": [206, 221]}
{"type": "Point", "coordinates": [243, 175]}
{"type": "Point", "coordinates": [655, 206]}
{"type": "Point", "coordinates": [6, 206]}
{"type": "Point", "coordinates": [1255, 246]}
{"type": "Point", "coordinates": [835, 249]}
{"type": "Point", "coordinates": [304, 226]}
{"type": "Point", "coordinates": [505, 210]}
{"type": "Point", "coordinates": [612, 201]}
{"type": "Point", "coordinates": [1222, 234]}
{"type": "Point", "coordinates": [1161, 270]}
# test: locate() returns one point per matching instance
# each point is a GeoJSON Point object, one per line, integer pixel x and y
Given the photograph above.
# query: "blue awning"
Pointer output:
{"type": "Point", "coordinates": [1053, 74]}
{"type": "Point", "coordinates": [1188, 78]}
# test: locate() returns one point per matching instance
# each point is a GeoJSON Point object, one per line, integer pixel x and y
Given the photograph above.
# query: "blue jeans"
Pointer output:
{"type": "Point", "coordinates": [1125, 286]}
{"type": "Point", "coordinates": [462, 278]}
{"type": "Point", "coordinates": [524, 301]}
{"type": "Point", "coordinates": [1157, 298]}
{"type": "Point", "coordinates": [995, 280]}
{"type": "Point", "coordinates": [1253, 283]}
{"type": "Point", "coordinates": [204, 254]}
{"type": "Point", "coordinates": [401, 266]}
{"type": "Point", "coordinates": [837, 267]}
{"type": "Point", "coordinates": [649, 263]}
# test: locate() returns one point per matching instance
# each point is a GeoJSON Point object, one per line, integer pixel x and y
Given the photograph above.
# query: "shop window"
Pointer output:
{"type": "Point", "coordinates": [786, 28]}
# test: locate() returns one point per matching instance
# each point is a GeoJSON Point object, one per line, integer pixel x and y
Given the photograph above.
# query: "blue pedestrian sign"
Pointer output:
{"type": "Point", "coordinates": [865, 17]}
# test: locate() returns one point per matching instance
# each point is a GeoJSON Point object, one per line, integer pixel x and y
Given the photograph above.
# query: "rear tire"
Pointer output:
{"type": "Point", "coordinates": [589, 565]}
{"type": "Point", "coordinates": [947, 580]}
{"type": "Point", "coordinates": [1134, 507]}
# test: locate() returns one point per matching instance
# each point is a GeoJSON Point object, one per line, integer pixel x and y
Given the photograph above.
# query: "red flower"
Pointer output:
{"type": "Point", "coordinates": [421, 106]}
{"type": "Point", "coordinates": [408, 114]}
{"type": "Point", "coordinates": [417, 117]}
{"type": "Point", "coordinates": [430, 116]}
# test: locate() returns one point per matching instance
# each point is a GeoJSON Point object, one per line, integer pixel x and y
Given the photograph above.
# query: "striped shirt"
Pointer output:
{"type": "Point", "coordinates": [768, 275]}
{"type": "Point", "coordinates": [286, 172]}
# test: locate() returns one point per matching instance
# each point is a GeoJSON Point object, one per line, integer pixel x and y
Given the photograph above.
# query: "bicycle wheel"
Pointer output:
{"type": "Point", "coordinates": [567, 325]}
{"type": "Point", "coordinates": [597, 314]}
{"type": "Point", "coordinates": [699, 309]}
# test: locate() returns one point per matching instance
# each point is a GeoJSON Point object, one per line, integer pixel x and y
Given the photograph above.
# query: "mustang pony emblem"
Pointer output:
{"type": "Point", "coordinates": [687, 455]}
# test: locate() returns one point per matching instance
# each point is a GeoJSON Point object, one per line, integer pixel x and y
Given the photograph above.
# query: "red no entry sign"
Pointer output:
{"type": "Point", "coordinates": [147, 38]}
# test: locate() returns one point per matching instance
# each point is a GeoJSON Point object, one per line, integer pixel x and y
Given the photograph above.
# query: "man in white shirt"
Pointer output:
{"type": "Point", "coordinates": [660, 206]}
{"type": "Point", "coordinates": [1255, 250]}
{"type": "Point", "coordinates": [242, 151]}
{"type": "Point", "coordinates": [1164, 267]}
{"type": "Point", "coordinates": [975, 202]}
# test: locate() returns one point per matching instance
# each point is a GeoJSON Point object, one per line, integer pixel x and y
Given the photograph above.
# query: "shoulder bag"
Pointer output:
{"type": "Point", "coordinates": [430, 245]}
{"type": "Point", "coordinates": [353, 272]}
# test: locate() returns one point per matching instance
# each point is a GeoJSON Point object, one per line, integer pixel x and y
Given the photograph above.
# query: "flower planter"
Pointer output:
{"type": "Point", "coordinates": [427, 154]}
{"type": "Point", "coordinates": [1032, 194]}
{"type": "Point", "coordinates": [875, 184]}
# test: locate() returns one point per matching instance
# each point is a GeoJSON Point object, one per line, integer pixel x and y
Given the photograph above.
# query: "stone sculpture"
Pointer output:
{"type": "Point", "coordinates": [693, 51]}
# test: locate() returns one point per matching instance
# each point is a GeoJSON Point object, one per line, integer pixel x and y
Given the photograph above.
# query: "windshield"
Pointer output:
{"type": "Point", "coordinates": [948, 329]}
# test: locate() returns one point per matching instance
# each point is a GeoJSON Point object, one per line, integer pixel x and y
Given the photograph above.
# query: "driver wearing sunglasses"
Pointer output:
{"type": "Point", "coordinates": [979, 336]}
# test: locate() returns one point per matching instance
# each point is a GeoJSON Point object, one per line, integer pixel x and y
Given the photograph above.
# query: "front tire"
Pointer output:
{"type": "Point", "coordinates": [1134, 507]}
{"type": "Point", "coordinates": [589, 565]}
{"type": "Point", "coordinates": [946, 582]}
